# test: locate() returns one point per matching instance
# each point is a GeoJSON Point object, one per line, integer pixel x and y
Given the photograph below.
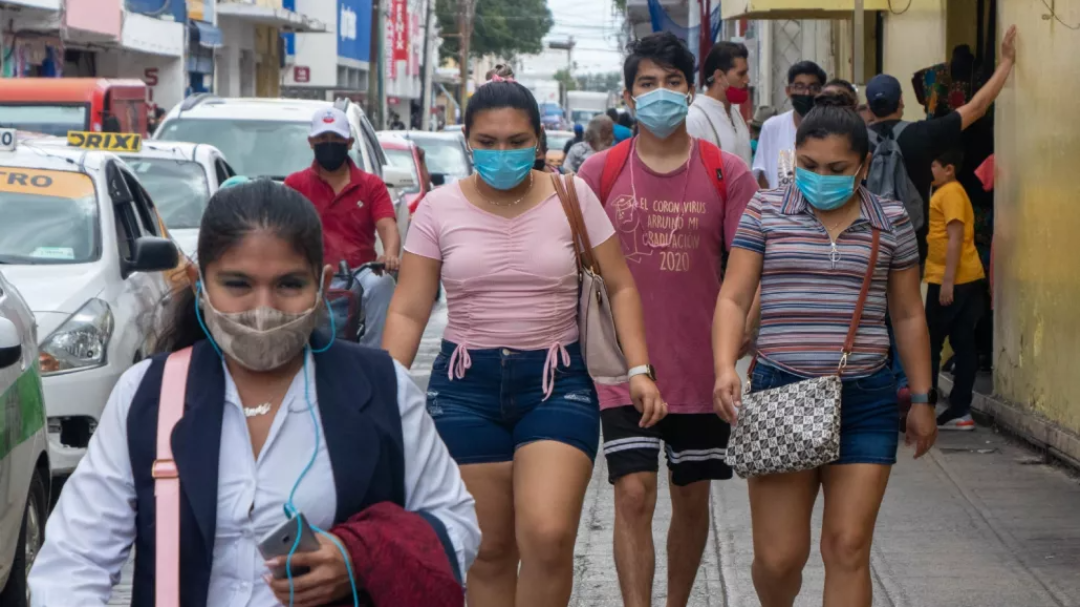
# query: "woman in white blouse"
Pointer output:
{"type": "Point", "coordinates": [273, 422]}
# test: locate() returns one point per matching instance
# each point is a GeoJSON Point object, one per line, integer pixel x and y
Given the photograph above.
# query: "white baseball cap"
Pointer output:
{"type": "Point", "coordinates": [330, 120]}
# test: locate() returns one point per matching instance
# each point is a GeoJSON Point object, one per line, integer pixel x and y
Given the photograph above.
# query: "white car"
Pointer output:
{"type": "Point", "coordinates": [81, 240]}
{"type": "Point", "coordinates": [181, 178]}
{"type": "Point", "coordinates": [269, 138]}
{"type": "Point", "coordinates": [24, 457]}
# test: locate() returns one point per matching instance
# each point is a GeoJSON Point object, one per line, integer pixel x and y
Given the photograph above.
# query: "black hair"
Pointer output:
{"type": "Point", "coordinates": [541, 147]}
{"type": "Point", "coordinates": [497, 95]}
{"type": "Point", "coordinates": [231, 215]}
{"type": "Point", "coordinates": [625, 119]}
{"type": "Point", "coordinates": [848, 93]}
{"type": "Point", "coordinates": [952, 156]}
{"type": "Point", "coordinates": [832, 115]}
{"type": "Point", "coordinates": [613, 114]}
{"type": "Point", "coordinates": [808, 68]}
{"type": "Point", "coordinates": [662, 48]}
{"type": "Point", "coordinates": [722, 57]}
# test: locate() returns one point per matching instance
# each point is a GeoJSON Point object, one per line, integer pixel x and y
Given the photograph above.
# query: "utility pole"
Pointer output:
{"type": "Point", "coordinates": [427, 70]}
{"type": "Point", "coordinates": [465, 29]}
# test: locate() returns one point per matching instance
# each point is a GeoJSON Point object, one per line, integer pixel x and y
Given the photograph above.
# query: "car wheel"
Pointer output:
{"type": "Point", "coordinates": [31, 537]}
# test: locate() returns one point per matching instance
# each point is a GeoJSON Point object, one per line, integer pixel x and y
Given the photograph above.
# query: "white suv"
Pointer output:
{"type": "Point", "coordinates": [268, 138]}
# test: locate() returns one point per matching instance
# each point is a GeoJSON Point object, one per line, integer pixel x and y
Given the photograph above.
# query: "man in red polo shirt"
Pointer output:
{"type": "Point", "coordinates": [353, 206]}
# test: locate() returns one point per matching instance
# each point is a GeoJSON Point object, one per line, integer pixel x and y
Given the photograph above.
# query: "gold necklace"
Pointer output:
{"type": "Point", "coordinates": [476, 186]}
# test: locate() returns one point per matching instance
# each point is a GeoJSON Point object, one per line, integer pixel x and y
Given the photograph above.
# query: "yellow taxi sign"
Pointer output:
{"type": "Point", "coordinates": [106, 142]}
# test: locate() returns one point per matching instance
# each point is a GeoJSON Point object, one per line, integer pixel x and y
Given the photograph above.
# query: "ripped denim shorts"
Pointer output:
{"type": "Point", "coordinates": [499, 404]}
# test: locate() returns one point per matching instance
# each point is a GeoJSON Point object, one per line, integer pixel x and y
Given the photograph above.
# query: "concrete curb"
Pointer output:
{"type": "Point", "coordinates": [1044, 434]}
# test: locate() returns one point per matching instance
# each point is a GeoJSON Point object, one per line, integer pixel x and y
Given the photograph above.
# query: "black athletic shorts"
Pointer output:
{"type": "Point", "coordinates": [696, 445]}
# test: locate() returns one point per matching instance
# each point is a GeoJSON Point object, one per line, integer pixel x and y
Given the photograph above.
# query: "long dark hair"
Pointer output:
{"type": "Point", "coordinates": [833, 115]}
{"type": "Point", "coordinates": [231, 215]}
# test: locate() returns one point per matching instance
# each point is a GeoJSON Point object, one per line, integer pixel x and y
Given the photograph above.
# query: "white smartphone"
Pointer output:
{"type": "Point", "coordinates": [279, 542]}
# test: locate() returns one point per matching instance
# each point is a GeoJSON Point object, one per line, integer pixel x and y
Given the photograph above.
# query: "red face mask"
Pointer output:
{"type": "Point", "coordinates": [738, 96]}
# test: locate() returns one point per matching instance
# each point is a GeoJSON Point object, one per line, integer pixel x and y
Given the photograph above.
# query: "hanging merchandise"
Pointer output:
{"type": "Point", "coordinates": [662, 22]}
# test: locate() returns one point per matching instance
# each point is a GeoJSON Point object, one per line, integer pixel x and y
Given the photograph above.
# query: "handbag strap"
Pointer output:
{"type": "Point", "coordinates": [856, 318]}
{"type": "Point", "coordinates": [567, 191]}
{"type": "Point", "coordinates": [167, 481]}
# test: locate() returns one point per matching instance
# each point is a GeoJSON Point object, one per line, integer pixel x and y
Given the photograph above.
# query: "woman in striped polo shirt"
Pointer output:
{"type": "Point", "coordinates": [808, 246]}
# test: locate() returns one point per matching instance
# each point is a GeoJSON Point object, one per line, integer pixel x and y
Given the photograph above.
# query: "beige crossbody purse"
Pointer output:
{"type": "Point", "coordinates": [599, 342]}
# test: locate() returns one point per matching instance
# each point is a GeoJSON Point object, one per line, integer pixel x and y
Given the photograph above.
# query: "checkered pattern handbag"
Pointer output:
{"type": "Point", "coordinates": [796, 427]}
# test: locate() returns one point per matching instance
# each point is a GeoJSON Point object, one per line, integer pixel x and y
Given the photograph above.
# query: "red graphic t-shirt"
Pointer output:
{"type": "Point", "coordinates": [674, 228]}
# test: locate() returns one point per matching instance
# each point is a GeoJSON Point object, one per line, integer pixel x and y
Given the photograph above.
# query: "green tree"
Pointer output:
{"type": "Point", "coordinates": [610, 82]}
{"type": "Point", "coordinates": [501, 28]}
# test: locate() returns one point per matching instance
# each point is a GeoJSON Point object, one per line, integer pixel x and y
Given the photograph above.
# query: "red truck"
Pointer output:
{"type": "Point", "coordinates": [57, 105]}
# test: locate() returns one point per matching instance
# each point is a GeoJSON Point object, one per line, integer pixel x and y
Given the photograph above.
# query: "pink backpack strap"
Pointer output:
{"type": "Point", "coordinates": [167, 481]}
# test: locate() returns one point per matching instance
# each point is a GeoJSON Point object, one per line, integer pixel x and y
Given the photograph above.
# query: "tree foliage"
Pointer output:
{"type": "Point", "coordinates": [610, 82]}
{"type": "Point", "coordinates": [501, 28]}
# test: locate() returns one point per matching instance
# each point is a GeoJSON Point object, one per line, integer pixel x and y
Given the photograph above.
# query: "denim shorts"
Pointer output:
{"type": "Point", "coordinates": [869, 413]}
{"type": "Point", "coordinates": [499, 404]}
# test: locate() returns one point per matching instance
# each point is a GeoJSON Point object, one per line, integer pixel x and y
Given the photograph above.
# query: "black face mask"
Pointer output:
{"type": "Point", "coordinates": [331, 154]}
{"type": "Point", "coordinates": [802, 103]}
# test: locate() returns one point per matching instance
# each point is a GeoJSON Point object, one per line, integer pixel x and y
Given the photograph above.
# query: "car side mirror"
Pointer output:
{"type": "Point", "coordinates": [438, 179]}
{"type": "Point", "coordinates": [10, 343]}
{"type": "Point", "coordinates": [152, 254]}
{"type": "Point", "coordinates": [397, 177]}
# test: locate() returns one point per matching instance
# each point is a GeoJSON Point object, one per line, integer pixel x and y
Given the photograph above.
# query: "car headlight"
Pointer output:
{"type": "Point", "coordinates": [79, 343]}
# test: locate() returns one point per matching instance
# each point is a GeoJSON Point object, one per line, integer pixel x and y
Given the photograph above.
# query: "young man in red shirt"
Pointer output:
{"type": "Point", "coordinates": [353, 206]}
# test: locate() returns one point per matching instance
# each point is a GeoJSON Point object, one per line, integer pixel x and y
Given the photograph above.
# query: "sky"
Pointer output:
{"type": "Point", "coordinates": [594, 27]}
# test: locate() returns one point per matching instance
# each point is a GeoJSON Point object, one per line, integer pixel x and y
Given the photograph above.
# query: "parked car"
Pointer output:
{"type": "Point", "coordinates": [24, 454]}
{"type": "Point", "coordinates": [180, 177]}
{"type": "Point", "coordinates": [82, 241]}
{"type": "Point", "coordinates": [269, 138]}
{"type": "Point", "coordinates": [407, 154]}
{"type": "Point", "coordinates": [446, 154]}
{"type": "Point", "coordinates": [556, 141]}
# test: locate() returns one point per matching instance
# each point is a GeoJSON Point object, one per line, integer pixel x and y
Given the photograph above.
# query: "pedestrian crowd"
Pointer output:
{"type": "Point", "coordinates": [259, 459]}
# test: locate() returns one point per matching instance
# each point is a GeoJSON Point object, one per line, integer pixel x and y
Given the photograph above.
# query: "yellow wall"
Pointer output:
{"type": "Point", "coordinates": [1037, 221]}
{"type": "Point", "coordinates": [913, 41]}
{"type": "Point", "coordinates": [268, 70]}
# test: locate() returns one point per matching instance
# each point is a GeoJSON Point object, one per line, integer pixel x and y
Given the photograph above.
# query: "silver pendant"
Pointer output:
{"type": "Point", "coordinates": [262, 409]}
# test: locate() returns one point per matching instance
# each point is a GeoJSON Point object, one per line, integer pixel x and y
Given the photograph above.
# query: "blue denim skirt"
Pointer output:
{"type": "Point", "coordinates": [869, 413]}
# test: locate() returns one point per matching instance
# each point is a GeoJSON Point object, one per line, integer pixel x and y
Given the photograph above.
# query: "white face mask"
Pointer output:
{"type": "Point", "coordinates": [262, 339]}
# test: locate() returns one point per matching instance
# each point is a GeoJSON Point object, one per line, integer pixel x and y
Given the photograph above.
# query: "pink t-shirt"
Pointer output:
{"type": "Point", "coordinates": [510, 283]}
{"type": "Point", "coordinates": [673, 229]}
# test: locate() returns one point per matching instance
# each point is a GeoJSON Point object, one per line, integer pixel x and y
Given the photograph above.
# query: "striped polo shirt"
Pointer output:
{"type": "Point", "coordinates": [810, 285]}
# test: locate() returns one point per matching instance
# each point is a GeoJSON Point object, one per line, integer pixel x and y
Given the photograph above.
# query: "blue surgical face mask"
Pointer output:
{"type": "Point", "coordinates": [504, 169]}
{"type": "Point", "coordinates": [825, 192]}
{"type": "Point", "coordinates": [661, 111]}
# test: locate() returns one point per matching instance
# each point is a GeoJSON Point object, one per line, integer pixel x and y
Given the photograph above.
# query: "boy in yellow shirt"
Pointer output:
{"type": "Point", "coordinates": [954, 275]}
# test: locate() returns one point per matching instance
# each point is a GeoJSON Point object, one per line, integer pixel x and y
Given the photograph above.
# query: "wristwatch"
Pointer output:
{"type": "Point", "coordinates": [646, 370]}
{"type": "Point", "coordinates": [920, 399]}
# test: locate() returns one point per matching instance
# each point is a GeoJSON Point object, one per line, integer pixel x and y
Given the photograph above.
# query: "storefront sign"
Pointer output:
{"type": "Point", "coordinates": [354, 30]}
{"type": "Point", "coordinates": [98, 16]}
{"type": "Point", "coordinates": [399, 18]}
{"type": "Point", "coordinates": [301, 74]}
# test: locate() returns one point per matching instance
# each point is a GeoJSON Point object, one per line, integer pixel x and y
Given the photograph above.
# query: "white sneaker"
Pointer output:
{"type": "Point", "coordinates": [962, 424]}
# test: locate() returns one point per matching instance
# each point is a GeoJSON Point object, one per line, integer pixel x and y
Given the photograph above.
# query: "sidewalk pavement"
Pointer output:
{"type": "Point", "coordinates": [979, 522]}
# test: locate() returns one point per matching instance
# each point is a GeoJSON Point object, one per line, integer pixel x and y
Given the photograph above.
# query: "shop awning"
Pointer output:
{"type": "Point", "coordinates": [286, 20]}
{"type": "Point", "coordinates": [795, 9]}
{"type": "Point", "coordinates": [204, 34]}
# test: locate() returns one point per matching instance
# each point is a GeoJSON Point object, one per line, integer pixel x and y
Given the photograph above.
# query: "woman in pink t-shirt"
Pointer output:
{"type": "Point", "coordinates": [510, 393]}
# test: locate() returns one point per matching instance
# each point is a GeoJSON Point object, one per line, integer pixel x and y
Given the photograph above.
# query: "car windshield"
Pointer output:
{"type": "Point", "coordinates": [50, 217]}
{"type": "Point", "coordinates": [445, 156]}
{"type": "Point", "coordinates": [557, 141]}
{"type": "Point", "coordinates": [404, 159]}
{"type": "Point", "coordinates": [255, 148]}
{"type": "Point", "coordinates": [582, 116]}
{"type": "Point", "coordinates": [48, 119]}
{"type": "Point", "coordinates": [178, 188]}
